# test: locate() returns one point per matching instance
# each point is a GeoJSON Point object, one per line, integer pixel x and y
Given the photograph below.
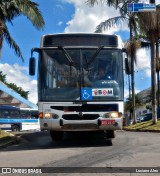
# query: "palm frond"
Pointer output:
{"type": "Point", "coordinates": [12, 43]}
{"type": "Point", "coordinates": [31, 11]}
{"type": "Point", "coordinates": [113, 3]}
{"type": "Point", "coordinates": [110, 23]}
{"type": "Point", "coordinates": [8, 11]}
{"type": "Point", "coordinates": [149, 23]}
{"type": "Point", "coordinates": [132, 46]}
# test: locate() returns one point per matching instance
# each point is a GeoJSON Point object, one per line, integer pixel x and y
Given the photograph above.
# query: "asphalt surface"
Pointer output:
{"type": "Point", "coordinates": [130, 150]}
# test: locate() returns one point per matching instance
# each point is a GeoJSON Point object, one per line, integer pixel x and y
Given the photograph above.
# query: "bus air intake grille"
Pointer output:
{"type": "Point", "coordinates": [82, 117]}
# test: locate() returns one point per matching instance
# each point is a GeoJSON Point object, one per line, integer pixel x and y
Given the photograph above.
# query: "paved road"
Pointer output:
{"type": "Point", "coordinates": [130, 149]}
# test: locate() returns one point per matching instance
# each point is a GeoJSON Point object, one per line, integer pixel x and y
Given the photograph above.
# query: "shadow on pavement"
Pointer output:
{"type": "Point", "coordinates": [42, 140]}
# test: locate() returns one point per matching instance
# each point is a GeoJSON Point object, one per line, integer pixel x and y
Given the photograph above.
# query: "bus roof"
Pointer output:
{"type": "Point", "coordinates": [8, 107]}
{"type": "Point", "coordinates": [80, 39]}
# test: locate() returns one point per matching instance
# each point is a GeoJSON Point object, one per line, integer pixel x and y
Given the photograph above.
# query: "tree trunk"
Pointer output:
{"type": "Point", "coordinates": [158, 67]}
{"type": "Point", "coordinates": [129, 82]}
{"type": "Point", "coordinates": [153, 81]}
{"type": "Point", "coordinates": [132, 75]}
{"type": "Point", "coordinates": [158, 88]}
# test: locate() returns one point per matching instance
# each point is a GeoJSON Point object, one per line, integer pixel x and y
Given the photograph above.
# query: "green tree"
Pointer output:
{"type": "Point", "coordinates": [13, 86]}
{"type": "Point", "coordinates": [2, 77]}
{"type": "Point", "coordinates": [9, 10]}
{"type": "Point", "coordinates": [19, 90]}
{"type": "Point", "coordinates": [129, 104]}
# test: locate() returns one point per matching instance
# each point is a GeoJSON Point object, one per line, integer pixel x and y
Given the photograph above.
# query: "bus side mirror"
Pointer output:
{"type": "Point", "coordinates": [127, 67]}
{"type": "Point", "coordinates": [126, 62]}
{"type": "Point", "coordinates": [32, 66]}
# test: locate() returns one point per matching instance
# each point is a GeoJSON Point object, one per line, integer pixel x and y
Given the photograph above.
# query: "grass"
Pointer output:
{"type": "Point", "coordinates": [6, 137]}
{"type": "Point", "coordinates": [144, 126]}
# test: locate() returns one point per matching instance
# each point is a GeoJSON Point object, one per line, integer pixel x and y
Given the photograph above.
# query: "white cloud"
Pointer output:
{"type": "Point", "coordinates": [86, 18]}
{"type": "Point", "coordinates": [126, 93]}
{"type": "Point", "coordinates": [18, 75]}
{"type": "Point", "coordinates": [143, 61]}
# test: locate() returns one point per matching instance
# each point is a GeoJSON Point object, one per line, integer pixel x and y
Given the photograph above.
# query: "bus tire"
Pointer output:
{"type": "Point", "coordinates": [56, 135]}
{"type": "Point", "coordinates": [15, 127]}
{"type": "Point", "coordinates": [110, 134]}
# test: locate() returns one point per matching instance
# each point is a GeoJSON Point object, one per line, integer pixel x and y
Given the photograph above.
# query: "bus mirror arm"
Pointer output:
{"type": "Point", "coordinates": [35, 50]}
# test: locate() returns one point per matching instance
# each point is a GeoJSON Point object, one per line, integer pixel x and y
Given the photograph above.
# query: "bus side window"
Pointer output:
{"type": "Point", "coordinates": [34, 114]}
{"type": "Point", "coordinates": [5, 113]}
{"type": "Point", "coordinates": [25, 114]}
{"type": "Point", "coordinates": [1, 114]}
{"type": "Point", "coordinates": [14, 114]}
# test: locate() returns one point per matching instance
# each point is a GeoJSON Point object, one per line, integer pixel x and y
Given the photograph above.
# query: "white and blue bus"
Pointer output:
{"type": "Point", "coordinates": [72, 96]}
{"type": "Point", "coordinates": [16, 119]}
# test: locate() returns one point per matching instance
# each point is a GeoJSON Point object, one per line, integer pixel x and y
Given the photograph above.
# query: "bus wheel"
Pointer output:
{"type": "Point", "coordinates": [110, 134]}
{"type": "Point", "coordinates": [15, 128]}
{"type": "Point", "coordinates": [56, 135]}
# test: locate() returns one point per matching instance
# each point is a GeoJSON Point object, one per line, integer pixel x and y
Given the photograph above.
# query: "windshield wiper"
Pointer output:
{"type": "Point", "coordinates": [66, 54]}
{"type": "Point", "coordinates": [95, 55]}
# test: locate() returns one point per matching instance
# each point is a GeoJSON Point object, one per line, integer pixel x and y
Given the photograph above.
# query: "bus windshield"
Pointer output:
{"type": "Point", "coordinates": [70, 74]}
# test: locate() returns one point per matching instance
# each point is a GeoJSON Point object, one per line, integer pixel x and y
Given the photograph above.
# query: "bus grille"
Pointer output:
{"type": "Point", "coordinates": [78, 117]}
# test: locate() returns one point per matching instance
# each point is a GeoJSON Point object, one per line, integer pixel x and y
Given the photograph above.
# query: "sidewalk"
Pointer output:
{"type": "Point", "coordinates": [141, 130]}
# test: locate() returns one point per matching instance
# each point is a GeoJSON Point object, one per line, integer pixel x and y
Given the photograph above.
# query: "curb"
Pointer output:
{"type": "Point", "coordinates": [152, 131]}
{"type": "Point", "coordinates": [15, 140]}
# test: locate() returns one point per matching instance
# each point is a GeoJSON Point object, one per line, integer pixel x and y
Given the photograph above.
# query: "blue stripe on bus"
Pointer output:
{"type": "Point", "coordinates": [18, 120]}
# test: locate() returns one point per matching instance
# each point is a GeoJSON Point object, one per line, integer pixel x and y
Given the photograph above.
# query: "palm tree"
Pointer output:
{"type": "Point", "coordinates": [158, 69]}
{"type": "Point", "coordinates": [132, 22]}
{"type": "Point", "coordinates": [9, 10]}
{"type": "Point", "coordinates": [150, 25]}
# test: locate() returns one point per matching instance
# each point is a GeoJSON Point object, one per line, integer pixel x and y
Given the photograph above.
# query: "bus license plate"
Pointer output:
{"type": "Point", "coordinates": [107, 122]}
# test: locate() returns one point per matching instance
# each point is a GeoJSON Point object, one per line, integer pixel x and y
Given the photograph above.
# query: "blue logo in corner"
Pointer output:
{"type": "Point", "coordinates": [86, 94]}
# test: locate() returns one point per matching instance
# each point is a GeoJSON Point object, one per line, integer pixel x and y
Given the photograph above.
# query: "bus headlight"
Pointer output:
{"type": "Point", "coordinates": [47, 115]}
{"type": "Point", "coordinates": [113, 114]}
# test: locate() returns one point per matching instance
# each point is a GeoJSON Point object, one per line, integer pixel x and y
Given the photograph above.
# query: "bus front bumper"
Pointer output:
{"type": "Point", "coordinates": [81, 125]}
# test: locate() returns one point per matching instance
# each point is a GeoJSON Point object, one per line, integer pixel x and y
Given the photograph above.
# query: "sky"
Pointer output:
{"type": "Point", "coordinates": [64, 16]}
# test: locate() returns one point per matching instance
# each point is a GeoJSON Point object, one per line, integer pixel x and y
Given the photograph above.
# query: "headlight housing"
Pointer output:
{"type": "Point", "coordinates": [48, 115]}
{"type": "Point", "coordinates": [112, 114]}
